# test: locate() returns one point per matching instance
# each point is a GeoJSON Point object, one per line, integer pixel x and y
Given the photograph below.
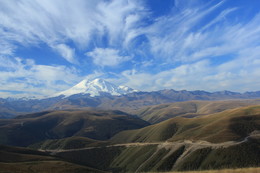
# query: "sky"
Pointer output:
{"type": "Point", "coordinates": [47, 46]}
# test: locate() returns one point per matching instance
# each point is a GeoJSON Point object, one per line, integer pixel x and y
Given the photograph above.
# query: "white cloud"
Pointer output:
{"type": "Point", "coordinates": [188, 36]}
{"type": "Point", "coordinates": [120, 18]}
{"type": "Point", "coordinates": [237, 75]}
{"type": "Point", "coordinates": [183, 77]}
{"type": "Point", "coordinates": [66, 52]}
{"type": "Point", "coordinates": [6, 48]}
{"type": "Point", "coordinates": [26, 77]}
{"type": "Point", "coordinates": [48, 21]}
{"type": "Point", "coordinates": [59, 21]}
{"type": "Point", "coordinates": [107, 57]}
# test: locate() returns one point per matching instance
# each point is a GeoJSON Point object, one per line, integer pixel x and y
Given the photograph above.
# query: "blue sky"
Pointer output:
{"type": "Point", "coordinates": [48, 46]}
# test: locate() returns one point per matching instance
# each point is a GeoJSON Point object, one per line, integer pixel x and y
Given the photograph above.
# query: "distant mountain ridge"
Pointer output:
{"type": "Point", "coordinates": [99, 93]}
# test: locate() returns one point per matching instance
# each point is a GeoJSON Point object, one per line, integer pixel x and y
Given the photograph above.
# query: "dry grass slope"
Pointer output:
{"type": "Point", "coordinates": [159, 113]}
{"type": "Point", "coordinates": [230, 125]}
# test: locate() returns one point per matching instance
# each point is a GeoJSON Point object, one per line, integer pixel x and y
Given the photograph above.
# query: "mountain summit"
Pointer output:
{"type": "Point", "coordinates": [95, 88]}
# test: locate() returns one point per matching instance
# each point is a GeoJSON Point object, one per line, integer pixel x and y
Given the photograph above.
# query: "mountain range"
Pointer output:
{"type": "Point", "coordinates": [99, 93]}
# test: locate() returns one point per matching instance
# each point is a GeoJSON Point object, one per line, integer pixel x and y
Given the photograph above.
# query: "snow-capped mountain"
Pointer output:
{"type": "Point", "coordinates": [95, 88]}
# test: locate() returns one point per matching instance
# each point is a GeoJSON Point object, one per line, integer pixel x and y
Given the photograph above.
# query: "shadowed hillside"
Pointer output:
{"type": "Point", "coordinates": [13, 159]}
{"type": "Point", "coordinates": [33, 128]}
{"type": "Point", "coordinates": [74, 142]}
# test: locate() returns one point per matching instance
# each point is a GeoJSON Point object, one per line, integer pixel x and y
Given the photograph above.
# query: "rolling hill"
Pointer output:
{"type": "Point", "coordinates": [224, 139]}
{"type": "Point", "coordinates": [14, 159]}
{"type": "Point", "coordinates": [229, 125]}
{"type": "Point", "coordinates": [229, 139]}
{"type": "Point", "coordinates": [96, 124]}
{"type": "Point", "coordinates": [167, 156]}
{"type": "Point", "coordinates": [189, 109]}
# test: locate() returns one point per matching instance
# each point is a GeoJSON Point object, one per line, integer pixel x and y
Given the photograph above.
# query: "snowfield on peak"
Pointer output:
{"type": "Point", "coordinates": [95, 88]}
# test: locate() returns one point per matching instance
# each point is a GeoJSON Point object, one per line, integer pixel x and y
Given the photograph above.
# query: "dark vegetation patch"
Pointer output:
{"type": "Point", "coordinates": [168, 162]}
{"type": "Point", "coordinates": [13, 154]}
{"type": "Point", "coordinates": [244, 125]}
{"type": "Point", "coordinates": [31, 132]}
{"type": "Point", "coordinates": [21, 150]}
{"type": "Point", "coordinates": [194, 161]}
{"type": "Point", "coordinates": [168, 132]}
{"type": "Point", "coordinates": [133, 157]}
{"type": "Point", "coordinates": [155, 160]}
{"type": "Point", "coordinates": [99, 158]}
{"type": "Point", "coordinates": [238, 156]}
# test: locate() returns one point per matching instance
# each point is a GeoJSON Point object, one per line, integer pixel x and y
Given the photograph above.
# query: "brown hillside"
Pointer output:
{"type": "Point", "coordinates": [159, 113]}
{"type": "Point", "coordinates": [229, 125]}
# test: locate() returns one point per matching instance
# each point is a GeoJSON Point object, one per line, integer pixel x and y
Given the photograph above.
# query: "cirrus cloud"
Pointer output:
{"type": "Point", "coordinates": [107, 57]}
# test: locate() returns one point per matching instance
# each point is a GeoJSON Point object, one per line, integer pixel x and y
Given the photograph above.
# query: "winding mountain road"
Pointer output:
{"type": "Point", "coordinates": [166, 144]}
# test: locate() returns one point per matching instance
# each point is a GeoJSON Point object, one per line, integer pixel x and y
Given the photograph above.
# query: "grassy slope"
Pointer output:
{"type": "Point", "coordinates": [33, 128]}
{"type": "Point", "coordinates": [159, 113]}
{"type": "Point", "coordinates": [74, 142]}
{"type": "Point", "coordinates": [237, 156]}
{"type": "Point", "coordinates": [234, 124]}
{"type": "Point", "coordinates": [14, 159]}
{"type": "Point", "coordinates": [156, 158]}
{"type": "Point", "coordinates": [99, 158]}
{"type": "Point", "coordinates": [15, 154]}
